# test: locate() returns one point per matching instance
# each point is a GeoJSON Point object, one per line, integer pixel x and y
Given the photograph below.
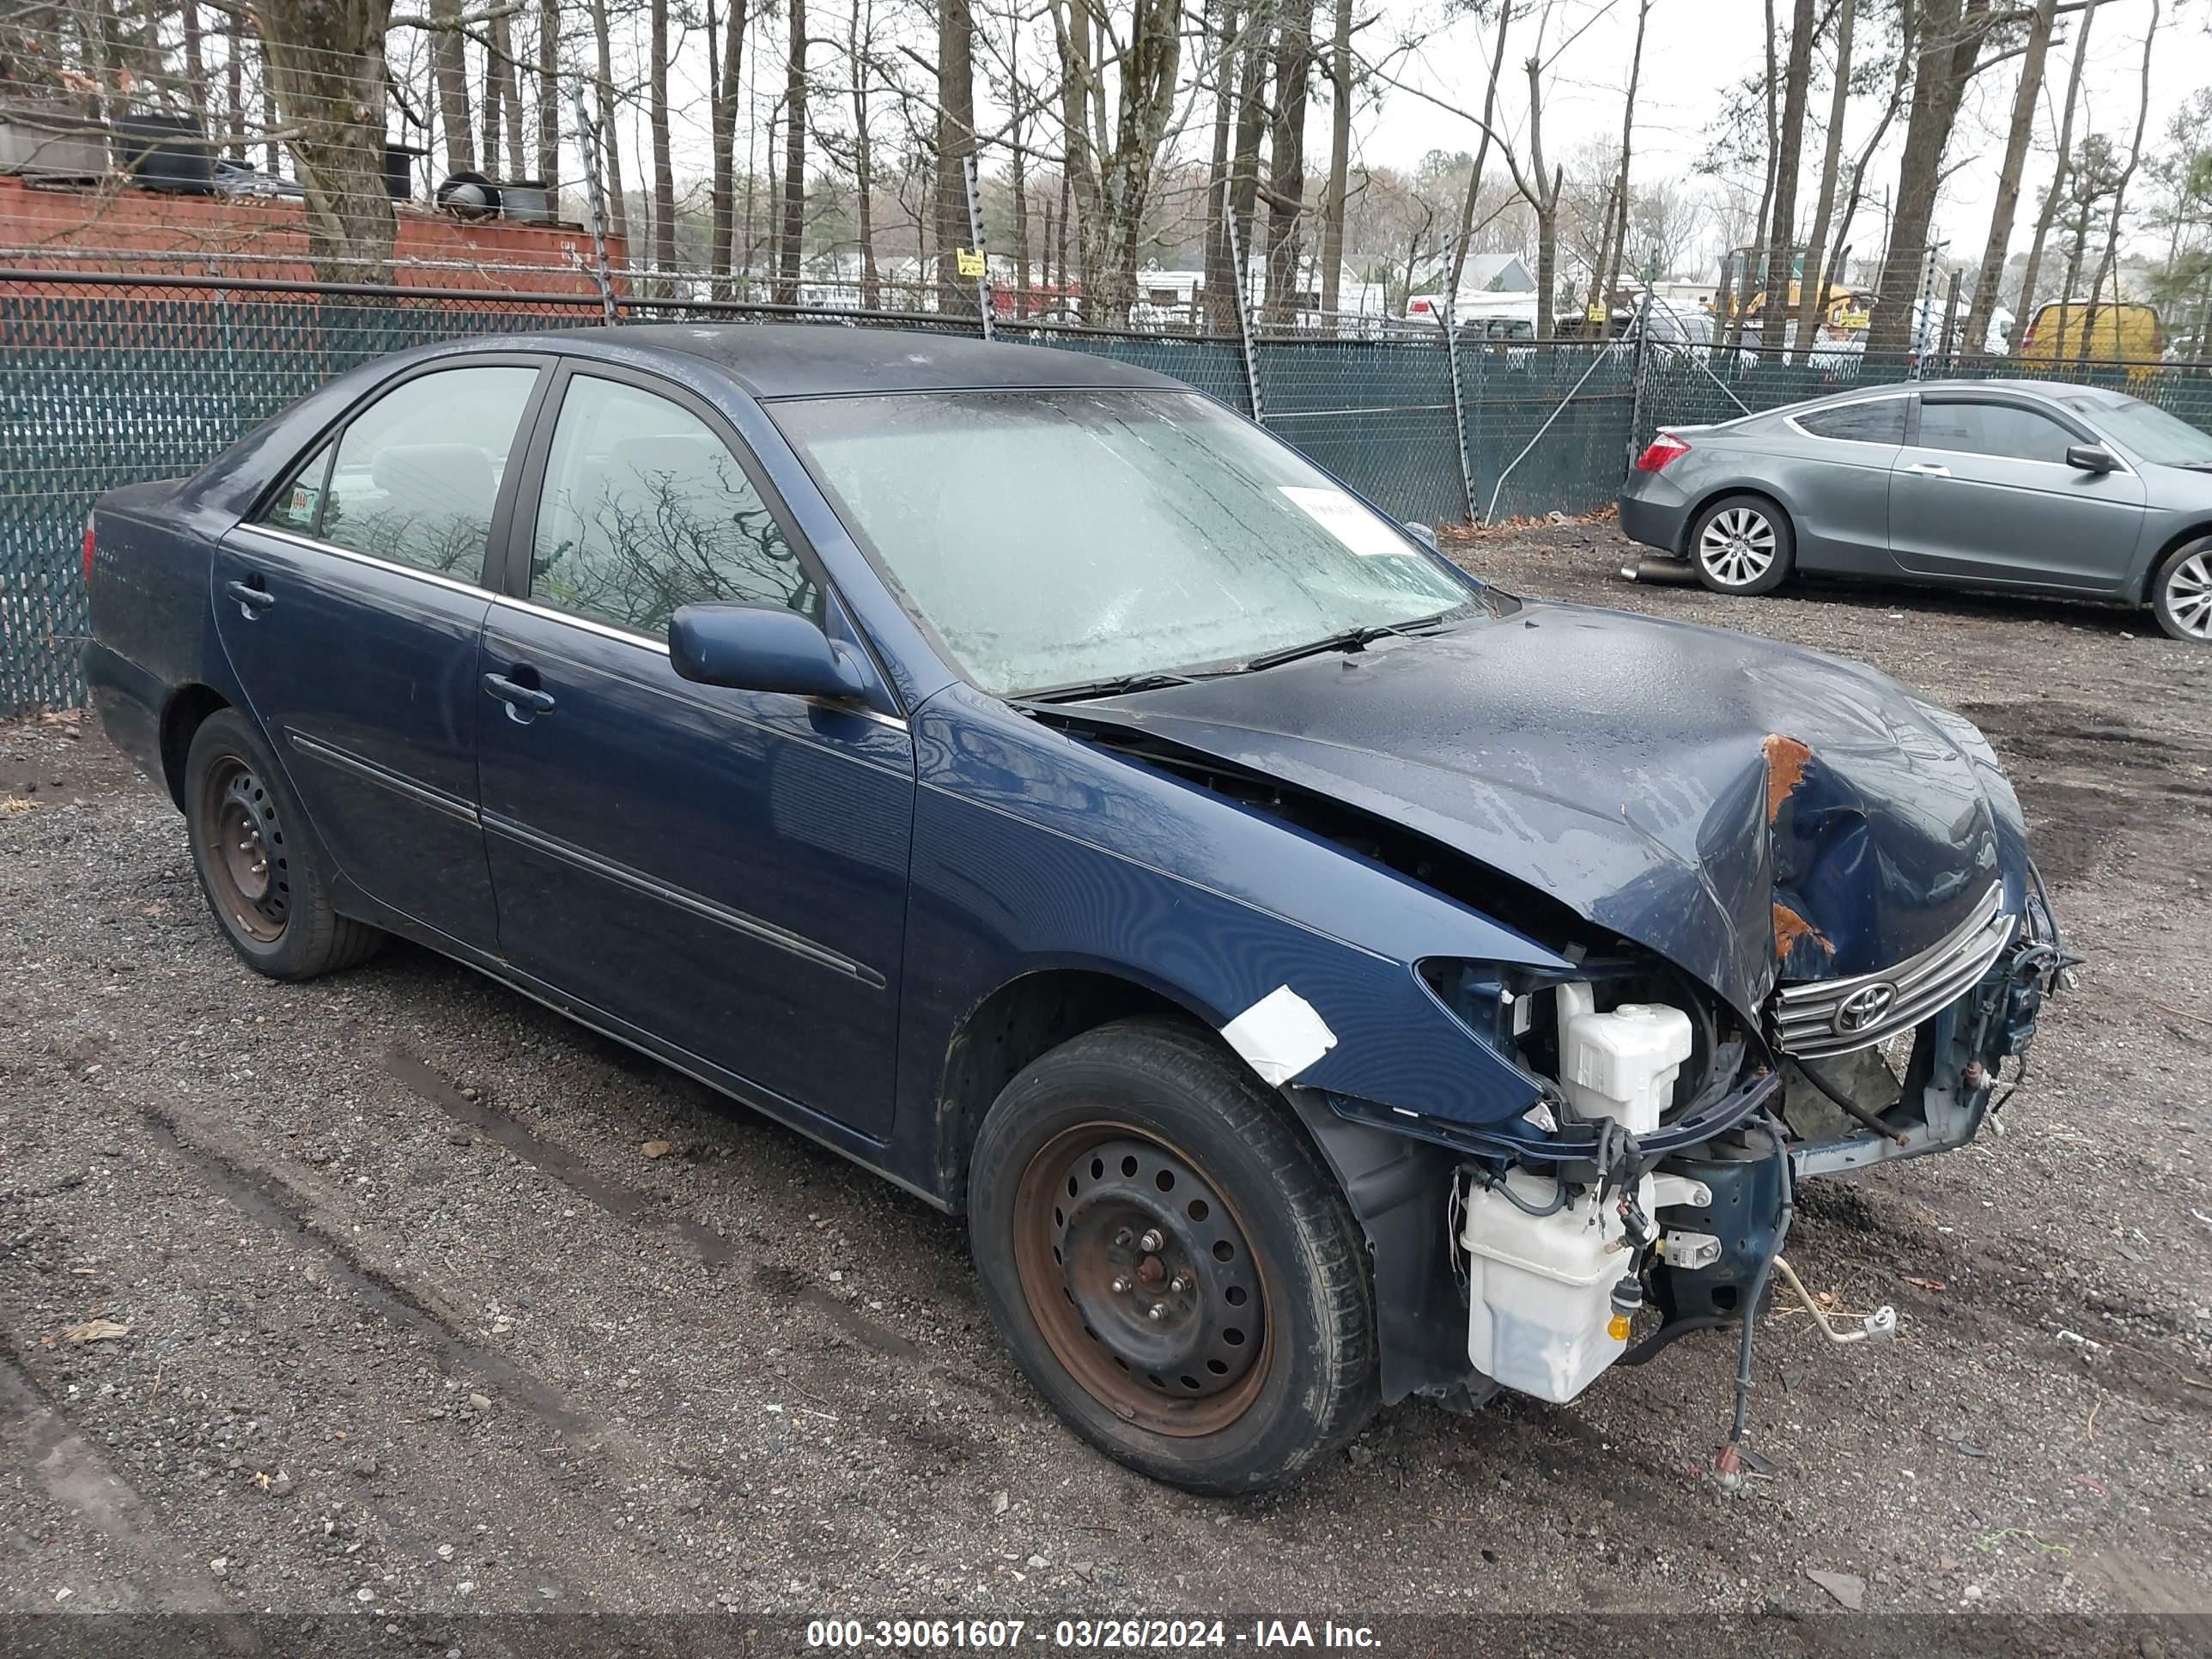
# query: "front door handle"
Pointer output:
{"type": "Point", "coordinates": [522, 700]}
{"type": "Point", "coordinates": [253, 599]}
{"type": "Point", "coordinates": [1929, 469]}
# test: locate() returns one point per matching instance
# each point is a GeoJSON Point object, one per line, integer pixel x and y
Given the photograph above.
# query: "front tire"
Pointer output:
{"type": "Point", "coordinates": [1174, 1266]}
{"type": "Point", "coordinates": [2181, 593]}
{"type": "Point", "coordinates": [1742, 544]}
{"type": "Point", "coordinates": [261, 877]}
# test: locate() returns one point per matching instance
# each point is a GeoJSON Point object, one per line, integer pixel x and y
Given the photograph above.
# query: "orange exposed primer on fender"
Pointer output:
{"type": "Point", "coordinates": [1786, 759]}
{"type": "Point", "coordinates": [1789, 928]}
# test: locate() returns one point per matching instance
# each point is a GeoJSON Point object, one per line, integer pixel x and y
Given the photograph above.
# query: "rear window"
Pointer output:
{"type": "Point", "coordinates": [1878, 420]}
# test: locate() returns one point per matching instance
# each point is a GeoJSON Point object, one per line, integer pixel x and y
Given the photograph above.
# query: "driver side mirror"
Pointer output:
{"type": "Point", "coordinates": [758, 648]}
{"type": "Point", "coordinates": [2092, 458]}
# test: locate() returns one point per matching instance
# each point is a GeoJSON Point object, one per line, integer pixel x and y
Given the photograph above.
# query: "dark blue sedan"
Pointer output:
{"type": "Point", "coordinates": [1319, 977]}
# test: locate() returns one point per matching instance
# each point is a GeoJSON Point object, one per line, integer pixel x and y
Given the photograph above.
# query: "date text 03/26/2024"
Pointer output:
{"type": "Point", "coordinates": [1083, 1634]}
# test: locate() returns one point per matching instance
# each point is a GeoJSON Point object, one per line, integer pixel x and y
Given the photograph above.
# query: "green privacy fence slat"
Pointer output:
{"type": "Point", "coordinates": [116, 381]}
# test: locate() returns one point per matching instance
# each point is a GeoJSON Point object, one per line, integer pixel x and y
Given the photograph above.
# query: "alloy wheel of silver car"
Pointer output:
{"type": "Point", "coordinates": [1736, 547]}
{"type": "Point", "coordinates": [2185, 596]}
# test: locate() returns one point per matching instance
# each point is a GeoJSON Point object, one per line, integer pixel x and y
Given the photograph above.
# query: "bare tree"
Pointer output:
{"type": "Point", "coordinates": [790, 237]}
{"type": "Point", "coordinates": [1774, 322]}
{"type": "Point", "coordinates": [2015, 159]}
{"type": "Point", "coordinates": [1609, 273]}
{"type": "Point", "coordinates": [1481, 153]}
{"type": "Point", "coordinates": [610, 143]}
{"type": "Point", "coordinates": [549, 97]}
{"type": "Point", "coordinates": [664, 163]}
{"type": "Point", "coordinates": [1219, 279]}
{"type": "Point", "coordinates": [1286, 157]}
{"type": "Point", "coordinates": [1543, 198]}
{"type": "Point", "coordinates": [1812, 292]}
{"type": "Point", "coordinates": [327, 69]}
{"type": "Point", "coordinates": [859, 52]}
{"type": "Point", "coordinates": [1833, 269]}
{"type": "Point", "coordinates": [2120, 190]}
{"type": "Point", "coordinates": [1339, 155]}
{"type": "Point", "coordinates": [449, 69]}
{"type": "Point", "coordinates": [956, 141]}
{"type": "Point", "coordinates": [2024, 306]}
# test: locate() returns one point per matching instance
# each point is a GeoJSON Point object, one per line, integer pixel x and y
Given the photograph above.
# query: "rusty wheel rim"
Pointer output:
{"type": "Point", "coordinates": [1142, 1279]}
{"type": "Point", "coordinates": [249, 870]}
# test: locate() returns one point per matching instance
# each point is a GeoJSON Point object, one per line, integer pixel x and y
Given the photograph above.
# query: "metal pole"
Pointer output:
{"type": "Point", "coordinates": [1951, 318]}
{"type": "Point", "coordinates": [1244, 302]}
{"type": "Point", "coordinates": [1642, 358]}
{"type": "Point", "coordinates": [976, 235]}
{"type": "Point", "coordinates": [1459, 403]}
{"type": "Point", "coordinates": [587, 141]}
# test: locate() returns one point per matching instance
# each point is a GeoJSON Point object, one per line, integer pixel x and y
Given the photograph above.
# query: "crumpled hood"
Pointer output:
{"type": "Point", "coordinates": [1750, 811]}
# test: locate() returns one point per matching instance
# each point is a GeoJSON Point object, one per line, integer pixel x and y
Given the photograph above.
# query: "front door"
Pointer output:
{"type": "Point", "coordinates": [351, 609]}
{"type": "Point", "coordinates": [1985, 494]}
{"type": "Point", "coordinates": [724, 871]}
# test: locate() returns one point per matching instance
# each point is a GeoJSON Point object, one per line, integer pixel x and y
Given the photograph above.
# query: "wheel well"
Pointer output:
{"type": "Point", "coordinates": [2173, 543]}
{"type": "Point", "coordinates": [1005, 1031]}
{"type": "Point", "coordinates": [180, 718]}
{"type": "Point", "coordinates": [1697, 511]}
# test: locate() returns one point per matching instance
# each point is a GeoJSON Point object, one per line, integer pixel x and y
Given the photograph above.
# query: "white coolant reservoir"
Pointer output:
{"type": "Point", "coordinates": [1541, 1287]}
{"type": "Point", "coordinates": [1620, 1065]}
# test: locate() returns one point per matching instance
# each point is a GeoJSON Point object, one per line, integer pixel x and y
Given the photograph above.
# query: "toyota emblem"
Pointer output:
{"type": "Point", "coordinates": [1865, 1008]}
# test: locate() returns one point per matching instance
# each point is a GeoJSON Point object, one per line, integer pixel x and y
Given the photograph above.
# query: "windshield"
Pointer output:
{"type": "Point", "coordinates": [1055, 537]}
{"type": "Point", "coordinates": [2156, 436]}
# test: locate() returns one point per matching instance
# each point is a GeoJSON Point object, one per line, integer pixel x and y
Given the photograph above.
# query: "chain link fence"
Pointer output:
{"type": "Point", "coordinates": [108, 379]}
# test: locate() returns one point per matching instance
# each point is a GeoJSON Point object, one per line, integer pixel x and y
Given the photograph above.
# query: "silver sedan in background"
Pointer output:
{"type": "Point", "coordinates": [2027, 485]}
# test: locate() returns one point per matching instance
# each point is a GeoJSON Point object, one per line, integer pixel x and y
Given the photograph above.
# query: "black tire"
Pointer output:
{"type": "Point", "coordinates": [1742, 544]}
{"type": "Point", "coordinates": [2181, 593]}
{"type": "Point", "coordinates": [259, 874]}
{"type": "Point", "coordinates": [1171, 1121]}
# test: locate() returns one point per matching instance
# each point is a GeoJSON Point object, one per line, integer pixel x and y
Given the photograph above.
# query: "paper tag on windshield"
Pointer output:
{"type": "Point", "coordinates": [1355, 526]}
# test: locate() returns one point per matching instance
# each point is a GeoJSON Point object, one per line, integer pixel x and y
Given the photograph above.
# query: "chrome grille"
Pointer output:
{"type": "Point", "coordinates": [1839, 1016]}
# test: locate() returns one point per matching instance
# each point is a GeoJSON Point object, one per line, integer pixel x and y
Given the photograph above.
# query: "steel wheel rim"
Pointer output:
{"type": "Point", "coordinates": [2188, 597]}
{"type": "Point", "coordinates": [1736, 546]}
{"type": "Point", "coordinates": [1082, 1218]}
{"type": "Point", "coordinates": [248, 868]}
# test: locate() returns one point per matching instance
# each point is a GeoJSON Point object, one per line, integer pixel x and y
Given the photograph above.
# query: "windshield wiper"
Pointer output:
{"type": "Point", "coordinates": [1121, 687]}
{"type": "Point", "coordinates": [1349, 639]}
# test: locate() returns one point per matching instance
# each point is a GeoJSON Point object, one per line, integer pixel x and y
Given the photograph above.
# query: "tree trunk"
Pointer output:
{"type": "Point", "coordinates": [195, 62]}
{"type": "Point", "coordinates": [727, 60]}
{"type": "Point", "coordinates": [858, 42]}
{"type": "Point", "coordinates": [2120, 193]}
{"type": "Point", "coordinates": [1754, 263]}
{"type": "Point", "coordinates": [955, 143]}
{"type": "Point", "coordinates": [1244, 151]}
{"type": "Point", "coordinates": [1545, 200]}
{"type": "Point", "coordinates": [794, 159]}
{"type": "Point", "coordinates": [1774, 322]}
{"type": "Point", "coordinates": [449, 69]}
{"type": "Point", "coordinates": [1286, 158]}
{"type": "Point", "coordinates": [1481, 155]}
{"type": "Point", "coordinates": [1813, 295]}
{"type": "Point", "coordinates": [663, 160]}
{"type": "Point", "coordinates": [1150, 59]}
{"type": "Point", "coordinates": [1609, 278]}
{"type": "Point", "coordinates": [1339, 157]}
{"type": "Point", "coordinates": [1950, 43]}
{"type": "Point", "coordinates": [610, 141]}
{"type": "Point", "coordinates": [2008, 197]}
{"type": "Point", "coordinates": [1843, 230]}
{"type": "Point", "coordinates": [1220, 313]}
{"type": "Point", "coordinates": [548, 99]}
{"type": "Point", "coordinates": [2024, 309]}
{"type": "Point", "coordinates": [326, 72]}
{"type": "Point", "coordinates": [233, 86]}
{"type": "Point", "coordinates": [509, 78]}
{"type": "Point", "coordinates": [1019, 163]}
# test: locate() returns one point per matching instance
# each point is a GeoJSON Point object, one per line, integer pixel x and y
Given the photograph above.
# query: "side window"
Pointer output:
{"type": "Point", "coordinates": [298, 501]}
{"type": "Point", "coordinates": [2004, 429]}
{"type": "Point", "coordinates": [646, 509]}
{"type": "Point", "coordinates": [417, 470]}
{"type": "Point", "coordinates": [1879, 421]}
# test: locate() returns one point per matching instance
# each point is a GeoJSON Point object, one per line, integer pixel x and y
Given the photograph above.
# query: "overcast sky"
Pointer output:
{"type": "Point", "coordinates": [1696, 51]}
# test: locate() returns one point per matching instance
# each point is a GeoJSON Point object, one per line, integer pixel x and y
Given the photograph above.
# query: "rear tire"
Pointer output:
{"type": "Point", "coordinates": [2181, 593]}
{"type": "Point", "coordinates": [256, 866]}
{"type": "Point", "coordinates": [1174, 1266]}
{"type": "Point", "coordinates": [1742, 544]}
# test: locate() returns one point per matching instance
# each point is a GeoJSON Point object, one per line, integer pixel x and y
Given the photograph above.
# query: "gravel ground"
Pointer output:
{"type": "Point", "coordinates": [420, 1300]}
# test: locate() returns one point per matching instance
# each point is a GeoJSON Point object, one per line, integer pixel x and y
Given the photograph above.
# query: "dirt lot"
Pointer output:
{"type": "Point", "coordinates": [429, 1301]}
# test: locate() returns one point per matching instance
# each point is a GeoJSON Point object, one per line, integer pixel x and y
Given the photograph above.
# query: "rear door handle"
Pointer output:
{"type": "Point", "coordinates": [254, 599]}
{"type": "Point", "coordinates": [522, 700]}
{"type": "Point", "coordinates": [1929, 469]}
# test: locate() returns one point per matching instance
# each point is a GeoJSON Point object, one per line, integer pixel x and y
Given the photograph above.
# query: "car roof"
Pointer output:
{"type": "Point", "coordinates": [816, 359]}
{"type": "Point", "coordinates": [2064, 389]}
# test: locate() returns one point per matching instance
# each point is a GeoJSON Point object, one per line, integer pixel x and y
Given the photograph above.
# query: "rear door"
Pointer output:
{"type": "Point", "coordinates": [722, 871]}
{"type": "Point", "coordinates": [351, 609]}
{"type": "Point", "coordinates": [1838, 476]}
{"type": "Point", "coordinates": [1983, 493]}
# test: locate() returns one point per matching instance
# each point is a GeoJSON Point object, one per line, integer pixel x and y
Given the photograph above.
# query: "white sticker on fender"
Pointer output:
{"type": "Point", "coordinates": [1279, 1036]}
{"type": "Point", "coordinates": [1343, 517]}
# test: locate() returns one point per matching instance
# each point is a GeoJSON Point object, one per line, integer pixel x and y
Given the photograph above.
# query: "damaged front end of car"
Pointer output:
{"type": "Point", "coordinates": [1767, 953]}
